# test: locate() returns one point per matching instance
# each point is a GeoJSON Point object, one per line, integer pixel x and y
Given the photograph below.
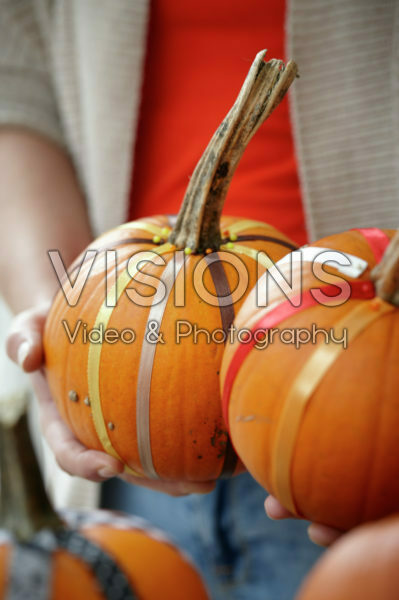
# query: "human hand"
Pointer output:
{"type": "Point", "coordinates": [322, 535]}
{"type": "Point", "coordinates": [25, 347]}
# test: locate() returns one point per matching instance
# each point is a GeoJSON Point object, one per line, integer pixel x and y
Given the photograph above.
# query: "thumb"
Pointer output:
{"type": "Point", "coordinates": [24, 340]}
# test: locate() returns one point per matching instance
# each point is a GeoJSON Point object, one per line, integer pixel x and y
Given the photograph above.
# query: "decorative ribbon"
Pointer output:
{"type": "Point", "coordinates": [109, 576]}
{"type": "Point", "coordinates": [253, 253]}
{"type": "Point", "coordinates": [146, 365]}
{"type": "Point", "coordinates": [144, 225]}
{"type": "Point", "coordinates": [222, 288]}
{"type": "Point", "coordinates": [244, 224]}
{"type": "Point", "coordinates": [377, 240]}
{"type": "Point", "coordinates": [81, 519]}
{"type": "Point", "coordinates": [77, 266]}
{"type": "Point", "coordinates": [255, 237]}
{"type": "Point", "coordinates": [94, 356]}
{"type": "Point", "coordinates": [317, 254]}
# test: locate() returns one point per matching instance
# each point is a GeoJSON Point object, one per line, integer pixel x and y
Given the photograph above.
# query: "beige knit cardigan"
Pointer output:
{"type": "Point", "coordinates": [72, 70]}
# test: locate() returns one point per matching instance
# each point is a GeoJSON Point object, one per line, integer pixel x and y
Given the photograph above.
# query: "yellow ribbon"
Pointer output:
{"type": "Point", "coordinates": [94, 357]}
{"type": "Point", "coordinates": [253, 253]}
{"type": "Point", "coordinates": [240, 226]}
{"type": "Point", "coordinates": [301, 391]}
{"type": "Point", "coordinates": [149, 227]}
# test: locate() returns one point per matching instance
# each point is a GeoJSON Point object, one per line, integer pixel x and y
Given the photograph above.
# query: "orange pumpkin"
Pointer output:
{"type": "Point", "coordinates": [154, 402]}
{"type": "Point", "coordinates": [315, 420]}
{"type": "Point", "coordinates": [92, 556]}
{"type": "Point", "coordinates": [362, 565]}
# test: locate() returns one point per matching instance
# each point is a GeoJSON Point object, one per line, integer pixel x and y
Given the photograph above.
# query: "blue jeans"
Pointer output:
{"type": "Point", "coordinates": [241, 554]}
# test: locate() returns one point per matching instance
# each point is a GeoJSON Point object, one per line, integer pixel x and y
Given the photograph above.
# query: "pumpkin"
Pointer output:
{"type": "Point", "coordinates": [150, 395]}
{"type": "Point", "coordinates": [313, 408]}
{"type": "Point", "coordinates": [362, 565]}
{"type": "Point", "coordinates": [89, 555]}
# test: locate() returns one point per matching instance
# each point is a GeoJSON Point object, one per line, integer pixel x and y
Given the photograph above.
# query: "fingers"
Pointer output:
{"type": "Point", "coordinates": [76, 459]}
{"type": "Point", "coordinates": [323, 535]}
{"type": "Point", "coordinates": [180, 488]}
{"type": "Point", "coordinates": [275, 510]}
{"type": "Point", "coordinates": [70, 454]}
{"type": "Point", "coordinates": [24, 341]}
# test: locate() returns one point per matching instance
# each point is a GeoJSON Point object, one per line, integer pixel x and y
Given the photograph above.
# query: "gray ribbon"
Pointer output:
{"type": "Point", "coordinates": [147, 356]}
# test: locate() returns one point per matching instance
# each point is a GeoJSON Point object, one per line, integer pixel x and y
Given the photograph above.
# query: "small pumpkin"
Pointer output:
{"type": "Point", "coordinates": [152, 400]}
{"type": "Point", "coordinates": [89, 555]}
{"type": "Point", "coordinates": [362, 565]}
{"type": "Point", "coordinates": [315, 419]}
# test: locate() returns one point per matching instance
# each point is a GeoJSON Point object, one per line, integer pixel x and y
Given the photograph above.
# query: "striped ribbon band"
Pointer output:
{"type": "Point", "coordinates": [353, 267]}
{"type": "Point", "coordinates": [222, 288]}
{"type": "Point", "coordinates": [255, 237]}
{"type": "Point", "coordinates": [253, 253]}
{"type": "Point", "coordinates": [377, 240]}
{"type": "Point", "coordinates": [146, 365]}
{"type": "Point", "coordinates": [77, 266]}
{"type": "Point", "coordinates": [244, 224]}
{"type": "Point", "coordinates": [110, 578]}
{"type": "Point", "coordinates": [144, 225]}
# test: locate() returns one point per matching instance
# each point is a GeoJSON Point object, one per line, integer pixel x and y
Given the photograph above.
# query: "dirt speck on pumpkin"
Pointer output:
{"type": "Point", "coordinates": [219, 440]}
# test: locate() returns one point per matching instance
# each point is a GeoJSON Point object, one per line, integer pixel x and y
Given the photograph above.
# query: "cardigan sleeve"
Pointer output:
{"type": "Point", "coordinates": [26, 93]}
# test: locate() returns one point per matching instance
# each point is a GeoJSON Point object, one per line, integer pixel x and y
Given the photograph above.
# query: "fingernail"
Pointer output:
{"type": "Point", "coordinates": [316, 536]}
{"type": "Point", "coordinates": [107, 473]}
{"type": "Point", "coordinates": [23, 352]}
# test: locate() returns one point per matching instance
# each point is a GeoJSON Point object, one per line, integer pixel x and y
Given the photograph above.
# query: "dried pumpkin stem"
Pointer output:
{"type": "Point", "coordinates": [24, 505]}
{"type": "Point", "coordinates": [198, 223]}
{"type": "Point", "coordinates": [386, 274]}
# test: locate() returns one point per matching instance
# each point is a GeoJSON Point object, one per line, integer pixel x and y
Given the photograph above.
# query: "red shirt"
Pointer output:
{"type": "Point", "coordinates": [198, 54]}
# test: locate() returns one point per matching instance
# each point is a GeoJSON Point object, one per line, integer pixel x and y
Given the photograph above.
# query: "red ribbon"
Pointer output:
{"type": "Point", "coordinates": [360, 290]}
{"type": "Point", "coordinates": [377, 240]}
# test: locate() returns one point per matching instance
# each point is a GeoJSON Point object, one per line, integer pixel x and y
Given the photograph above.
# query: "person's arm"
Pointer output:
{"type": "Point", "coordinates": [42, 208]}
